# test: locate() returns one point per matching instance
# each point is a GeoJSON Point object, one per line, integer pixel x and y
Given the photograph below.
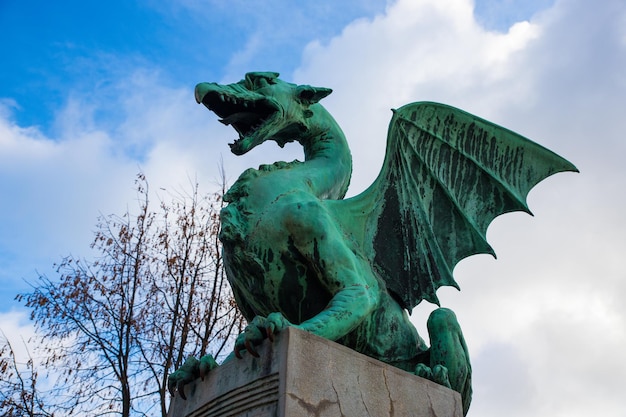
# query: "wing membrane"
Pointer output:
{"type": "Point", "coordinates": [447, 174]}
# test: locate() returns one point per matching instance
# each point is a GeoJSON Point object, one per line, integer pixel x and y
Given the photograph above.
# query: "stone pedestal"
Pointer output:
{"type": "Point", "coordinates": [304, 375]}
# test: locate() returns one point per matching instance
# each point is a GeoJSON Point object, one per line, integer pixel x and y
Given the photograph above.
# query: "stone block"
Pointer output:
{"type": "Point", "coordinates": [301, 374]}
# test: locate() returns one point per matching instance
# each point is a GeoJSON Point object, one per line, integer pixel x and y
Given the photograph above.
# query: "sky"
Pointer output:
{"type": "Point", "coordinates": [91, 93]}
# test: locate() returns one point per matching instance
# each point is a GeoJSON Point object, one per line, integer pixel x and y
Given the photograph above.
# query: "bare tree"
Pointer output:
{"type": "Point", "coordinates": [189, 308]}
{"type": "Point", "coordinates": [20, 395]}
{"type": "Point", "coordinates": [114, 328]}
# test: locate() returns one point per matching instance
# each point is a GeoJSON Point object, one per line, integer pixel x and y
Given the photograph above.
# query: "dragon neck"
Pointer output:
{"type": "Point", "coordinates": [327, 163]}
{"type": "Point", "coordinates": [325, 172]}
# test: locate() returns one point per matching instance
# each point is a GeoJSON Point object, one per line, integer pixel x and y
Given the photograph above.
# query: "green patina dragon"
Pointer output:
{"type": "Point", "coordinates": [298, 254]}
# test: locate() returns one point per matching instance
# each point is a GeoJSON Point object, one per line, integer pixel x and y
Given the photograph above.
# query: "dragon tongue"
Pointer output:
{"type": "Point", "coordinates": [245, 117]}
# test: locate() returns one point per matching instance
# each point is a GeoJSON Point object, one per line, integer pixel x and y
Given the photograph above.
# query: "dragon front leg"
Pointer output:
{"type": "Point", "coordinates": [308, 234]}
{"type": "Point", "coordinates": [355, 291]}
{"type": "Point", "coordinates": [346, 310]}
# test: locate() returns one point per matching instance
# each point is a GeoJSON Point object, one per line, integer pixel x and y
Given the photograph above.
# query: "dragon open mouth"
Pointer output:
{"type": "Point", "coordinates": [246, 115]}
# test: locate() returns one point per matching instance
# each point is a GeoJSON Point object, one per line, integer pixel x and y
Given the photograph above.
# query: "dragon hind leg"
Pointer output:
{"type": "Point", "coordinates": [449, 358]}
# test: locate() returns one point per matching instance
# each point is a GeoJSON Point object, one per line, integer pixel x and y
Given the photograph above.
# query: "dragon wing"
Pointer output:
{"type": "Point", "coordinates": [447, 174]}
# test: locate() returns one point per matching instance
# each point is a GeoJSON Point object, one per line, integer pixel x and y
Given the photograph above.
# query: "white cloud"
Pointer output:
{"type": "Point", "coordinates": [45, 180]}
{"type": "Point", "coordinates": [17, 330]}
{"type": "Point", "coordinates": [421, 50]}
{"type": "Point", "coordinates": [54, 188]}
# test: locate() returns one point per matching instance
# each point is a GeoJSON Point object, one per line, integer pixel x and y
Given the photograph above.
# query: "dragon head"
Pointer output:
{"type": "Point", "coordinates": [262, 107]}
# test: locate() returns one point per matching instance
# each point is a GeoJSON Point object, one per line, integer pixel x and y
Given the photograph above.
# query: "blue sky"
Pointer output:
{"type": "Point", "coordinates": [59, 48]}
{"type": "Point", "coordinates": [92, 92]}
{"type": "Point", "coordinates": [56, 48]}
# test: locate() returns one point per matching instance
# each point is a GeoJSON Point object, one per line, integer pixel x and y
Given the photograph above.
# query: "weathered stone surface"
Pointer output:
{"type": "Point", "coordinates": [301, 374]}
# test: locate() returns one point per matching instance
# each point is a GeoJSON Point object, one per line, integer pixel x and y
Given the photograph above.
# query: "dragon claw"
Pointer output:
{"type": "Point", "coordinates": [259, 329]}
{"type": "Point", "coordinates": [207, 364]}
{"type": "Point", "coordinates": [440, 376]}
{"type": "Point", "coordinates": [188, 372]}
{"type": "Point", "coordinates": [181, 390]}
{"type": "Point", "coordinates": [275, 323]}
{"type": "Point", "coordinates": [238, 353]}
{"type": "Point", "coordinates": [171, 387]}
{"type": "Point", "coordinates": [424, 371]}
{"type": "Point", "coordinates": [250, 348]}
{"type": "Point", "coordinates": [437, 373]}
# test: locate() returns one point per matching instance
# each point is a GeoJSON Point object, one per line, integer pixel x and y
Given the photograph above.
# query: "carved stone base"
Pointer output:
{"type": "Point", "coordinates": [304, 375]}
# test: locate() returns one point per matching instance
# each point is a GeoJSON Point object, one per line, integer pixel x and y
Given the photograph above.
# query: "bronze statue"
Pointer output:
{"type": "Point", "coordinates": [298, 254]}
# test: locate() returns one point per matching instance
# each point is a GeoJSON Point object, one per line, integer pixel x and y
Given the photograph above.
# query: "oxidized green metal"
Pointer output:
{"type": "Point", "coordinates": [298, 254]}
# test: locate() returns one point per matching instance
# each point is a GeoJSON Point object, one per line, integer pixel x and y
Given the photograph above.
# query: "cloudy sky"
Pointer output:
{"type": "Point", "coordinates": [93, 92]}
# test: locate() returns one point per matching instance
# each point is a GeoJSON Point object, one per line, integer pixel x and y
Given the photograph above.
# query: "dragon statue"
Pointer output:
{"type": "Point", "coordinates": [298, 254]}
